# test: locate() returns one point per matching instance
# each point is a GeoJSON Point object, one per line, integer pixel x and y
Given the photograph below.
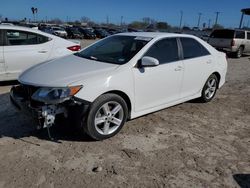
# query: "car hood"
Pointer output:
{"type": "Point", "coordinates": [64, 71]}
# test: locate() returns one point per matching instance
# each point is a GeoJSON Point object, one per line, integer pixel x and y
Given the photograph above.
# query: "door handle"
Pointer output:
{"type": "Point", "coordinates": [43, 51]}
{"type": "Point", "coordinates": [209, 61]}
{"type": "Point", "coordinates": [179, 68]}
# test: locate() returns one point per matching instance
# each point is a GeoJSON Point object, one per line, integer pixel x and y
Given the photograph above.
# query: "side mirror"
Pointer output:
{"type": "Point", "coordinates": [147, 61]}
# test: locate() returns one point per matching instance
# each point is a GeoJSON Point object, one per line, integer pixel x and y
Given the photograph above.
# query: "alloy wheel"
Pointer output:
{"type": "Point", "coordinates": [109, 118]}
{"type": "Point", "coordinates": [211, 88]}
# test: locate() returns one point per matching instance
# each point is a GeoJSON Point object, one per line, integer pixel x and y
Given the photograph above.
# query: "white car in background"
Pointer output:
{"type": "Point", "coordinates": [58, 31]}
{"type": "Point", "coordinates": [21, 48]}
{"type": "Point", "coordinates": [121, 77]}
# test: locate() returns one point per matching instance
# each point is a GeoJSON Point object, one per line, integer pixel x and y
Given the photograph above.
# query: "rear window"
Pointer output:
{"type": "Point", "coordinates": [240, 35]}
{"type": "Point", "coordinates": [192, 48]}
{"type": "Point", "coordinates": [225, 34]}
{"type": "Point", "coordinates": [15, 37]}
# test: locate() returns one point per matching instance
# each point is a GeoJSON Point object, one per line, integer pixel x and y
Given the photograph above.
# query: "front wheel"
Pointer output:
{"type": "Point", "coordinates": [209, 89]}
{"type": "Point", "coordinates": [106, 116]}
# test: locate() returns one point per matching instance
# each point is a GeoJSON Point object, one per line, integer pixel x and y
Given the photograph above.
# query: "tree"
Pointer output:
{"type": "Point", "coordinates": [85, 19]}
{"type": "Point", "coordinates": [146, 20]}
{"type": "Point", "coordinates": [56, 21]}
{"type": "Point", "coordinates": [138, 25]}
{"type": "Point", "coordinates": [218, 26]}
{"type": "Point", "coordinates": [162, 25]}
{"type": "Point", "coordinates": [34, 12]}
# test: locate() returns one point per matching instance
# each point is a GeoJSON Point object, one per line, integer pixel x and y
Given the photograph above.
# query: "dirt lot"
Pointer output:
{"type": "Point", "coordinates": [189, 145]}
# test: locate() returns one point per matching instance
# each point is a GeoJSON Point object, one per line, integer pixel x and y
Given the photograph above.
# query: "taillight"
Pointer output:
{"type": "Point", "coordinates": [233, 43]}
{"type": "Point", "coordinates": [74, 48]}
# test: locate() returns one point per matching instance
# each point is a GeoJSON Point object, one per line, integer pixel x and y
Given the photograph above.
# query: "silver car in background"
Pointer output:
{"type": "Point", "coordinates": [231, 41]}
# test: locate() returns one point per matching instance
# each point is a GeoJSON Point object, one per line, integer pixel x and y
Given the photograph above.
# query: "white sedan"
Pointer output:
{"type": "Point", "coordinates": [21, 48]}
{"type": "Point", "coordinates": [119, 78]}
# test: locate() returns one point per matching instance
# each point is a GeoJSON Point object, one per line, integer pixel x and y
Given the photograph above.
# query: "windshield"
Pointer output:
{"type": "Point", "coordinates": [116, 49]}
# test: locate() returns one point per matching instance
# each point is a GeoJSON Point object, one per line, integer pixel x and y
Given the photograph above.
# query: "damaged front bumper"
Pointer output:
{"type": "Point", "coordinates": [43, 114]}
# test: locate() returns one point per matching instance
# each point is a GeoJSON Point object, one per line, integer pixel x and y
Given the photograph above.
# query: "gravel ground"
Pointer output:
{"type": "Point", "coordinates": [189, 145]}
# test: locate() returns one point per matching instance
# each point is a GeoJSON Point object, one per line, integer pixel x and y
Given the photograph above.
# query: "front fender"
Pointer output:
{"type": "Point", "coordinates": [120, 81]}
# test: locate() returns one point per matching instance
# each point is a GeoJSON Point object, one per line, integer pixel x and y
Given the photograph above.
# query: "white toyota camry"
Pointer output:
{"type": "Point", "coordinates": [21, 48]}
{"type": "Point", "coordinates": [119, 78]}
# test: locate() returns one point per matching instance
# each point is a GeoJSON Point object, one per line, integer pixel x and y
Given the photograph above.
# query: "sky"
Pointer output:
{"type": "Point", "coordinates": [160, 10]}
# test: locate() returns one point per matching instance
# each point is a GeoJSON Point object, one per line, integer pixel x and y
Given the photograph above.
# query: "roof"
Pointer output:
{"type": "Point", "coordinates": [10, 27]}
{"type": "Point", "coordinates": [16, 27]}
{"type": "Point", "coordinates": [154, 34]}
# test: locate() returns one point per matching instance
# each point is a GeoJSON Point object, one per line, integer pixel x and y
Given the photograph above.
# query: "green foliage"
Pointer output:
{"type": "Point", "coordinates": [162, 25]}
{"type": "Point", "coordinates": [138, 25]}
{"type": "Point", "coordinates": [218, 26]}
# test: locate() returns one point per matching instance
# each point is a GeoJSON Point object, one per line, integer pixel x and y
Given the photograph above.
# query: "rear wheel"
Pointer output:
{"type": "Point", "coordinates": [239, 52]}
{"type": "Point", "coordinates": [106, 117]}
{"type": "Point", "coordinates": [209, 89]}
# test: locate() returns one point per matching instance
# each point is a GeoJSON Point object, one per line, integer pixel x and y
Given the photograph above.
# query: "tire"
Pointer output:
{"type": "Point", "coordinates": [106, 117]}
{"type": "Point", "coordinates": [239, 52]}
{"type": "Point", "coordinates": [210, 88]}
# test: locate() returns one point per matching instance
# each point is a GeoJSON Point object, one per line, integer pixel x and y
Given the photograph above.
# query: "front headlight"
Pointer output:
{"type": "Point", "coordinates": [55, 95]}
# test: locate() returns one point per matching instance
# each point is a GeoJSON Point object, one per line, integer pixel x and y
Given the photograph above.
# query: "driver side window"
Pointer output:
{"type": "Point", "coordinates": [165, 51]}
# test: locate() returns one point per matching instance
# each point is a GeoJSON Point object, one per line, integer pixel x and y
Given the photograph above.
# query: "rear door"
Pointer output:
{"type": "Point", "coordinates": [2, 66]}
{"type": "Point", "coordinates": [198, 65]}
{"type": "Point", "coordinates": [240, 39]}
{"type": "Point", "coordinates": [24, 49]}
{"type": "Point", "coordinates": [247, 46]}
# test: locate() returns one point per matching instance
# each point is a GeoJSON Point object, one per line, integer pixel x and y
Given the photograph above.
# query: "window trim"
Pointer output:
{"type": "Point", "coordinates": [178, 46]}
{"type": "Point", "coordinates": [182, 51]}
{"type": "Point", "coordinates": [5, 41]}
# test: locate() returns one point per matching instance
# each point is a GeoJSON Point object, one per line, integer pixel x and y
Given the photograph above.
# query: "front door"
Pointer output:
{"type": "Point", "coordinates": [159, 85]}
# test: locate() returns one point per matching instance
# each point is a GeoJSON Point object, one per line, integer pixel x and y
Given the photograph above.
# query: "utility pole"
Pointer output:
{"type": "Point", "coordinates": [121, 20]}
{"type": "Point", "coordinates": [217, 17]}
{"type": "Point", "coordinates": [181, 19]}
{"type": "Point", "coordinates": [209, 23]}
{"type": "Point", "coordinates": [241, 20]}
{"type": "Point", "coordinates": [107, 19]}
{"type": "Point", "coordinates": [199, 19]}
